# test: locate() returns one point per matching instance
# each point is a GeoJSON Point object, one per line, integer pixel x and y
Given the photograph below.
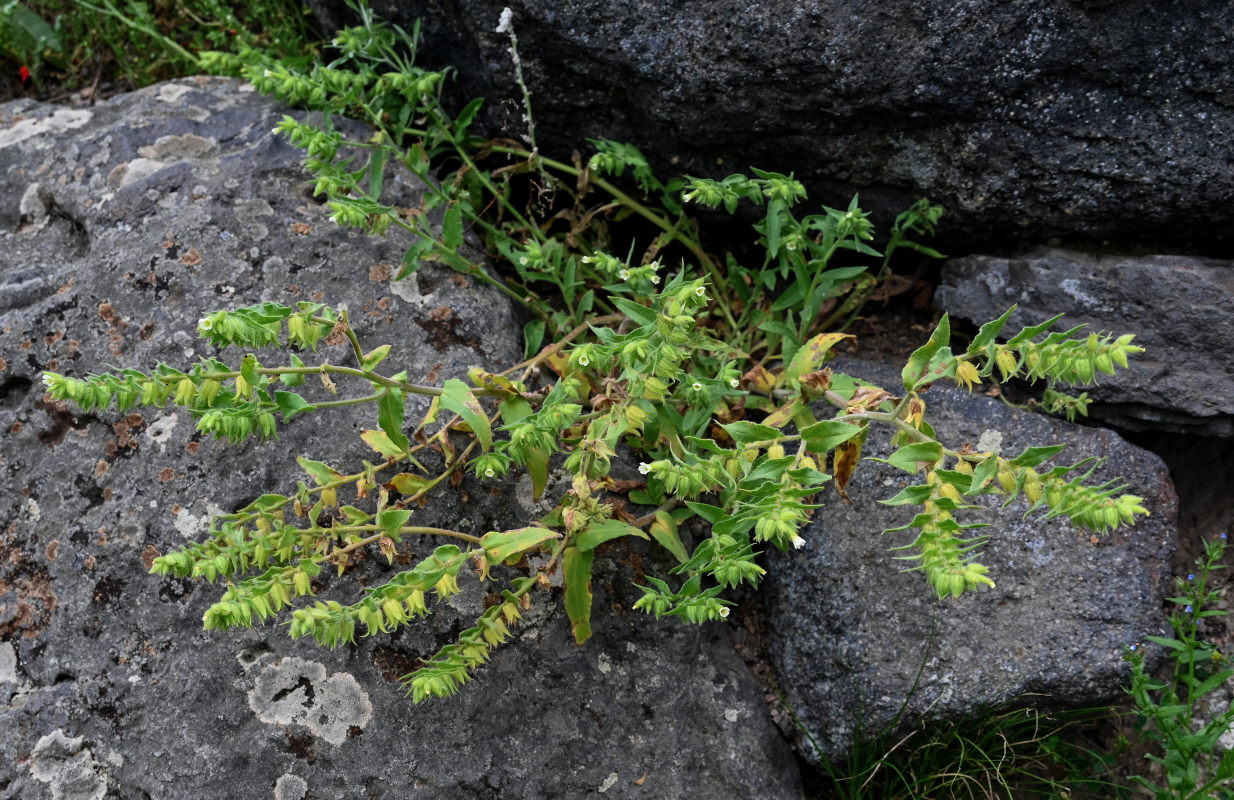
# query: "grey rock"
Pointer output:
{"type": "Point", "coordinates": [162, 205]}
{"type": "Point", "coordinates": [850, 629]}
{"type": "Point", "coordinates": [1029, 118]}
{"type": "Point", "coordinates": [1180, 308]}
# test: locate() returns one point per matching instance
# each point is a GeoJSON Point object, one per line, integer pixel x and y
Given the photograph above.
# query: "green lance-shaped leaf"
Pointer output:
{"type": "Point", "coordinates": [390, 410]}
{"type": "Point", "coordinates": [918, 369]}
{"type": "Point", "coordinates": [374, 357]}
{"type": "Point", "coordinates": [452, 227]}
{"type": "Point", "coordinates": [290, 404]}
{"type": "Point", "coordinates": [502, 545]}
{"type": "Point", "coordinates": [823, 436]}
{"type": "Point", "coordinates": [391, 520]}
{"type": "Point", "coordinates": [664, 531]}
{"type": "Point", "coordinates": [576, 565]}
{"type": "Point", "coordinates": [602, 531]}
{"type": "Point", "coordinates": [457, 397]}
{"type": "Point", "coordinates": [907, 458]}
{"type": "Point", "coordinates": [747, 432]}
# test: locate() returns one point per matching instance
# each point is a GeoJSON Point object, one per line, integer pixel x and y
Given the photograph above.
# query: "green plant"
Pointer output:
{"type": "Point", "coordinates": [144, 42]}
{"type": "Point", "coordinates": [713, 374]}
{"type": "Point", "coordinates": [1190, 761]}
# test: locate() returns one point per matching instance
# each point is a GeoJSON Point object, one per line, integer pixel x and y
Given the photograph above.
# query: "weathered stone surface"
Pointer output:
{"type": "Point", "coordinates": [1028, 118]}
{"type": "Point", "coordinates": [124, 223]}
{"type": "Point", "coordinates": [1181, 310]}
{"type": "Point", "coordinates": [850, 630]}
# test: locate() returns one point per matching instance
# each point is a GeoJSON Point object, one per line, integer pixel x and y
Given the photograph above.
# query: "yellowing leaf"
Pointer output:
{"type": "Point", "coordinates": [501, 545]}
{"type": "Point", "coordinates": [811, 356]}
{"type": "Point", "coordinates": [379, 441]}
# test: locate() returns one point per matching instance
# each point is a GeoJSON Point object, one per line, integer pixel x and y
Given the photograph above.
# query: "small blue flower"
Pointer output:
{"type": "Point", "coordinates": [1188, 608]}
{"type": "Point", "coordinates": [1133, 647]}
{"type": "Point", "coordinates": [1223, 535]}
{"type": "Point", "coordinates": [1190, 576]}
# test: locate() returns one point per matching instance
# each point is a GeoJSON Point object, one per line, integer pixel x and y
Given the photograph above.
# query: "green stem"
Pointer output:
{"type": "Point", "coordinates": [407, 529]}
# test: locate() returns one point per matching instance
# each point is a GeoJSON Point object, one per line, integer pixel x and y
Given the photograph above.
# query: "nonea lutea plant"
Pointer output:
{"type": "Point", "coordinates": [709, 371]}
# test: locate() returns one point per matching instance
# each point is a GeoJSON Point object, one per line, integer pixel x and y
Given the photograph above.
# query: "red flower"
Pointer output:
{"type": "Point", "coordinates": [25, 73]}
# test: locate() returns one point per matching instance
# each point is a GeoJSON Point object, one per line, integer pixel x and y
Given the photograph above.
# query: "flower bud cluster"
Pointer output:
{"type": "Point", "coordinates": [451, 666]}
{"type": "Point", "coordinates": [689, 479]}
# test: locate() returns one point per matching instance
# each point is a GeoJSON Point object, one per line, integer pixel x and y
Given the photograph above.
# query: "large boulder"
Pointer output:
{"type": "Point", "coordinates": [123, 223]}
{"type": "Point", "coordinates": [854, 639]}
{"type": "Point", "coordinates": [1024, 118]}
{"type": "Point", "coordinates": [1181, 309]}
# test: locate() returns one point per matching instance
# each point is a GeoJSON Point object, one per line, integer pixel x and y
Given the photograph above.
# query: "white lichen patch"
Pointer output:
{"type": "Point", "coordinates": [172, 92]}
{"type": "Point", "coordinates": [132, 171]}
{"type": "Point", "coordinates": [30, 508]}
{"type": "Point", "coordinates": [174, 148]}
{"type": "Point", "coordinates": [8, 663]}
{"type": "Point", "coordinates": [991, 441]}
{"type": "Point", "coordinates": [731, 714]}
{"type": "Point", "coordinates": [296, 691]}
{"type": "Point", "coordinates": [159, 431]}
{"type": "Point", "coordinates": [68, 767]}
{"type": "Point", "coordinates": [65, 119]}
{"type": "Point", "coordinates": [187, 524]}
{"type": "Point", "coordinates": [290, 787]}
{"type": "Point", "coordinates": [609, 782]}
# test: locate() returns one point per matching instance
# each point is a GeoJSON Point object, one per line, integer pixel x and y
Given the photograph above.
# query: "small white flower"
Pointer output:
{"type": "Point", "coordinates": [268, 73]}
{"type": "Point", "coordinates": [489, 473]}
{"type": "Point", "coordinates": [790, 245]}
{"type": "Point", "coordinates": [624, 274]}
{"type": "Point", "coordinates": [274, 131]}
{"type": "Point", "coordinates": [723, 612]}
{"type": "Point", "coordinates": [696, 386]}
{"type": "Point", "coordinates": [584, 360]}
{"type": "Point", "coordinates": [644, 468]}
{"type": "Point", "coordinates": [503, 24]}
{"type": "Point", "coordinates": [687, 197]}
{"type": "Point", "coordinates": [523, 260]}
{"type": "Point", "coordinates": [700, 291]}
{"type": "Point", "coordinates": [48, 380]}
{"type": "Point", "coordinates": [734, 383]}
{"type": "Point", "coordinates": [798, 542]}
{"type": "Point", "coordinates": [588, 260]}
{"type": "Point", "coordinates": [204, 324]}
{"type": "Point", "coordinates": [655, 279]}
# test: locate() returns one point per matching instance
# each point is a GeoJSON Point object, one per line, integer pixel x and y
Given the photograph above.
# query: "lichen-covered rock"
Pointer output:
{"type": "Point", "coordinates": [122, 224]}
{"type": "Point", "coordinates": [1024, 118]}
{"type": "Point", "coordinates": [851, 631]}
{"type": "Point", "coordinates": [1181, 310]}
